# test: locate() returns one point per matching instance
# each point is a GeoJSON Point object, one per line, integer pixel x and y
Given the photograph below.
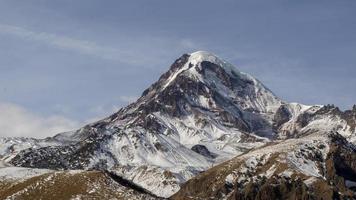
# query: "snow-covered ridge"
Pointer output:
{"type": "Point", "coordinates": [253, 96]}
{"type": "Point", "coordinates": [196, 58]}
{"type": "Point", "coordinates": [19, 173]}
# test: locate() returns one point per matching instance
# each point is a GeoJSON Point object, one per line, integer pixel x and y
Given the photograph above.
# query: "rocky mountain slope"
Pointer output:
{"type": "Point", "coordinates": [199, 114]}
{"type": "Point", "coordinates": [311, 167]}
{"type": "Point", "coordinates": [27, 183]}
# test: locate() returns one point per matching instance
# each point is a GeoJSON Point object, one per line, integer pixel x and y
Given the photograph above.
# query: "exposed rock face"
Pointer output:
{"type": "Point", "coordinates": [202, 150]}
{"type": "Point", "coordinates": [341, 161]}
{"type": "Point", "coordinates": [200, 113]}
{"type": "Point", "coordinates": [282, 116]}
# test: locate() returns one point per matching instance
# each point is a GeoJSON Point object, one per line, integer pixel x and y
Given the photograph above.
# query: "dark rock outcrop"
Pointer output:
{"type": "Point", "coordinates": [282, 116]}
{"type": "Point", "coordinates": [202, 150]}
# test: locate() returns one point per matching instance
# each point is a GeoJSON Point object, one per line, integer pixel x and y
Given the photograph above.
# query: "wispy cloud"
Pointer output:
{"type": "Point", "coordinates": [133, 51]}
{"type": "Point", "coordinates": [18, 121]}
{"type": "Point", "coordinates": [128, 99]}
{"type": "Point", "coordinates": [188, 44]}
{"type": "Point", "coordinates": [68, 43]}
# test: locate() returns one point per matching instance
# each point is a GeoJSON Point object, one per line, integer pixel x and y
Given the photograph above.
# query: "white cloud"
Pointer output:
{"type": "Point", "coordinates": [128, 99]}
{"type": "Point", "coordinates": [17, 121]}
{"type": "Point", "coordinates": [188, 44]}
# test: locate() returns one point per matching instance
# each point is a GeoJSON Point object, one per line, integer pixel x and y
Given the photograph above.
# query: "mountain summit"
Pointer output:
{"type": "Point", "coordinates": [200, 113]}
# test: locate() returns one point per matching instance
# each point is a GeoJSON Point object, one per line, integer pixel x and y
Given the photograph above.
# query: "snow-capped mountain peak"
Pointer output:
{"type": "Point", "coordinates": [201, 112]}
{"type": "Point", "coordinates": [207, 71]}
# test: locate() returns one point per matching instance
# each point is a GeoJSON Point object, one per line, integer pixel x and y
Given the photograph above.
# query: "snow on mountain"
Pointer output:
{"type": "Point", "coordinates": [10, 147]}
{"type": "Point", "coordinates": [20, 173]}
{"type": "Point", "coordinates": [320, 165]}
{"type": "Point", "coordinates": [200, 113]}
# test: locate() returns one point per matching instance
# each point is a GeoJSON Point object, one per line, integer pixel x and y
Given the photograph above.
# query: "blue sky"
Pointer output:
{"type": "Point", "coordinates": [64, 63]}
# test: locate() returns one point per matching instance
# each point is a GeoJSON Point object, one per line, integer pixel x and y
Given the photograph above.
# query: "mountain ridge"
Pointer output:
{"type": "Point", "coordinates": [200, 113]}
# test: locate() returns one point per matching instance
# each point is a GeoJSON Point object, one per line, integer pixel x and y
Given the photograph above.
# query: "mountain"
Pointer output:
{"type": "Point", "coordinates": [206, 122]}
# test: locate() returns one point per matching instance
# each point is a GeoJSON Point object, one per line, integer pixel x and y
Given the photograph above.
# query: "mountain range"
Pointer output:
{"type": "Point", "coordinates": [204, 130]}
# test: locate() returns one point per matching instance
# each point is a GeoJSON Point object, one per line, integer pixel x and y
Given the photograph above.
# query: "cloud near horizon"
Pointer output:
{"type": "Point", "coordinates": [16, 121]}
